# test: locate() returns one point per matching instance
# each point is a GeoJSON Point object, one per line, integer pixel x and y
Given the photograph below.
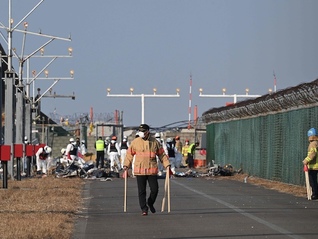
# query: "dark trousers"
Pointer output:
{"type": "Point", "coordinates": [142, 193]}
{"type": "Point", "coordinates": [190, 161]}
{"type": "Point", "coordinates": [28, 166]}
{"type": "Point", "coordinates": [313, 181]}
{"type": "Point", "coordinates": [100, 158]}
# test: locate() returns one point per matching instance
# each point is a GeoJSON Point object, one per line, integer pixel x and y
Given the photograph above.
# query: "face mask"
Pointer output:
{"type": "Point", "coordinates": [141, 134]}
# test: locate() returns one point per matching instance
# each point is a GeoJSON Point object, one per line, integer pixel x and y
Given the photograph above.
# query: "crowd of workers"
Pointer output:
{"type": "Point", "coordinates": [180, 154]}
{"type": "Point", "coordinates": [111, 154]}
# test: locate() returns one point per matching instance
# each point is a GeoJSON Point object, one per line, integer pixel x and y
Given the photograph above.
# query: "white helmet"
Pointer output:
{"type": "Point", "coordinates": [63, 151]}
{"type": "Point", "coordinates": [157, 135]}
{"type": "Point", "coordinates": [48, 149]}
{"type": "Point", "coordinates": [72, 140]}
{"type": "Point", "coordinates": [83, 141]}
{"type": "Point", "coordinates": [125, 137]}
{"type": "Point", "coordinates": [107, 138]}
{"type": "Point", "coordinates": [169, 140]}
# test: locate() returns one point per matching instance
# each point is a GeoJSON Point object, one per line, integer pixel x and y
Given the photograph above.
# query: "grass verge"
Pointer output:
{"type": "Point", "coordinates": [40, 208]}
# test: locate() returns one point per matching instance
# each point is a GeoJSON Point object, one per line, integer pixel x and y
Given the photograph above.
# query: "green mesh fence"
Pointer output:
{"type": "Point", "coordinates": [271, 146]}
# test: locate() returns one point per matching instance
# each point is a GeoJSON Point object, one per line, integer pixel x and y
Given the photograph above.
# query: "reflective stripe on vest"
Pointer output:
{"type": "Point", "coordinates": [145, 171]}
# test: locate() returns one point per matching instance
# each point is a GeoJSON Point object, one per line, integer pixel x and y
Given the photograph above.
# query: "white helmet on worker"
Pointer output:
{"type": "Point", "coordinates": [47, 149]}
{"type": "Point", "coordinates": [26, 139]}
{"type": "Point", "coordinates": [72, 140]}
{"type": "Point", "coordinates": [157, 135]}
{"type": "Point", "coordinates": [63, 150]}
{"type": "Point", "coordinates": [169, 140]}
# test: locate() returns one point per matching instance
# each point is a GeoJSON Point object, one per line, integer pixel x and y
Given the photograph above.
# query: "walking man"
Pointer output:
{"type": "Point", "coordinates": [145, 148]}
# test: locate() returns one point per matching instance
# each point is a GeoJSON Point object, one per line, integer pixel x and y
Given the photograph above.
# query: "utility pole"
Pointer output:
{"type": "Point", "coordinates": [9, 114]}
{"type": "Point", "coordinates": [1, 89]}
{"type": "Point", "coordinates": [142, 96]}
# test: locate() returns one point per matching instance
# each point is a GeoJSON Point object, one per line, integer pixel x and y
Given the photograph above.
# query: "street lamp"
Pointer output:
{"type": "Point", "coordinates": [270, 91]}
{"type": "Point", "coordinates": [49, 89]}
{"type": "Point", "coordinates": [143, 96]}
{"type": "Point", "coordinates": [46, 72]}
{"type": "Point", "coordinates": [70, 51]}
{"type": "Point", "coordinates": [224, 95]}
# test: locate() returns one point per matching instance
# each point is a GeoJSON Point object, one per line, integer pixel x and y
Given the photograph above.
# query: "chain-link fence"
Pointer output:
{"type": "Point", "coordinates": [266, 137]}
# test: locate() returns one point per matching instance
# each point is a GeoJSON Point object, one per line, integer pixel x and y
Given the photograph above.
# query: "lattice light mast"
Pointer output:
{"type": "Point", "coordinates": [190, 102]}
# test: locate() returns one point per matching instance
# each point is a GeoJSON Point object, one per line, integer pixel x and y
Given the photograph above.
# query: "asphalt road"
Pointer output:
{"type": "Point", "coordinates": [200, 208]}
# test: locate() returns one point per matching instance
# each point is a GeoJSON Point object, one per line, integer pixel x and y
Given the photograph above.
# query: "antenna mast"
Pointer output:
{"type": "Point", "coordinates": [275, 81]}
{"type": "Point", "coordinates": [190, 99]}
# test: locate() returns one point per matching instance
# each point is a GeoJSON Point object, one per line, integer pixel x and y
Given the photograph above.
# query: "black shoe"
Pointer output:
{"type": "Point", "coordinates": [152, 209]}
{"type": "Point", "coordinates": [314, 197]}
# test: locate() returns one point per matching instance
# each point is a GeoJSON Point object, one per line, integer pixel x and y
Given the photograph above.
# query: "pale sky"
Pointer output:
{"type": "Point", "coordinates": [146, 44]}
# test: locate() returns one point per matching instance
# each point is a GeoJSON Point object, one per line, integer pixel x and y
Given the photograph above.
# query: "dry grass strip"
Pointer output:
{"type": "Point", "coordinates": [40, 208]}
{"type": "Point", "coordinates": [299, 191]}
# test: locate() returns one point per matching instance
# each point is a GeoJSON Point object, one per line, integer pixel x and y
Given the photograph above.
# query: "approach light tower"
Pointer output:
{"type": "Point", "coordinates": [234, 96]}
{"type": "Point", "coordinates": [143, 96]}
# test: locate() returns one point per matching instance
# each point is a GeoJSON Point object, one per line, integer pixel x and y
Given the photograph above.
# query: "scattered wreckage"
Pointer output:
{"type": "Point", "coordinates": [215, 170]}
{"type": "Point", "coordinates": [87, 170]}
